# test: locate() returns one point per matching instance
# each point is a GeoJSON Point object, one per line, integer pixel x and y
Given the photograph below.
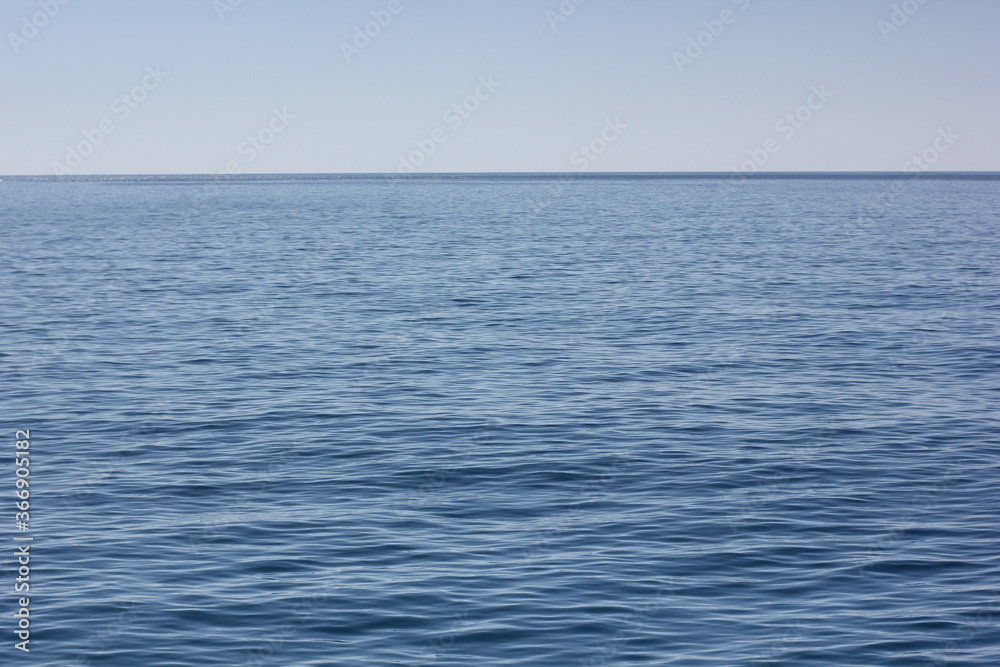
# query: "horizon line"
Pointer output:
{"type": "Point", "coordinates": [736, 176]}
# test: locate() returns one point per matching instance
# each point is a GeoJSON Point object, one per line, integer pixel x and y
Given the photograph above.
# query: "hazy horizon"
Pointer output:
{"type": "Point", "coordinates": [554, 174]}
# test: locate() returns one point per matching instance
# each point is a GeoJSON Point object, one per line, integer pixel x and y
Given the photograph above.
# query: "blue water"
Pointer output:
{"type": "Point", "coordinates": [505, 421]}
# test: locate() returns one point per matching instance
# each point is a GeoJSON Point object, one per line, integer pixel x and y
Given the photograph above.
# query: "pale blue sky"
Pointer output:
{"type": "Point", "coordinates": [891, 96]}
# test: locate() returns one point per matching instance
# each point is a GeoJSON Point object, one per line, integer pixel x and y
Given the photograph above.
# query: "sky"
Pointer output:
{"type": "Point", "coordinates": [373, 86]}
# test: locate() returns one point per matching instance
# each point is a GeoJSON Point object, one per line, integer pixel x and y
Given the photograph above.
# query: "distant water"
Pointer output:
{"type": "Point", "coordinates": [505, 421]}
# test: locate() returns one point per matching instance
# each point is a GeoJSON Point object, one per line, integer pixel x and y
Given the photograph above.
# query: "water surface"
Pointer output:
{"type": "Point", "coordinates": [506, 421]}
